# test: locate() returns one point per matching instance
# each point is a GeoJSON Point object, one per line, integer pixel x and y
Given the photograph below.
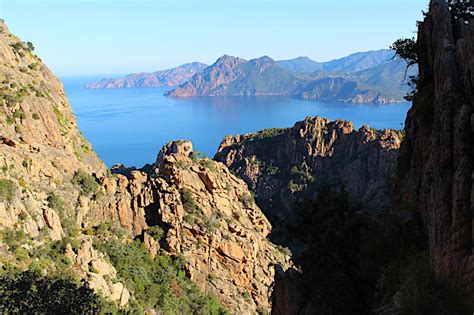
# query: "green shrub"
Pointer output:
{"type": "Point", "coordinates": [302, 174]}
{"type": "Point", "coordinates": [85, 148]}
{"type": "Point", "coordinates": [30, 46]}
{"type": "Point", "coordinates": [255, 161]}
{"type": "Point", "coordinates": [194, 155]}
{"type": "Point", "coordinates": [156, 231]}
{"type": "Point", "coordinates": [157, 283]}
{"type": "Point", "coordinates": [38, 93]}
{"type": "Point", "coordinates": [17, 47]}
{"type": "Point", "coordinates": [13, 237]}
{"type": "Point", "coordinates": [29, 293]}
{"type": "Point", "coordinates": [104, 227]}
{"type": "Point", "coordinates": [189, 218]}
{"type": "Point", "coordinates": [36, 116]}
{"type": "Point", "coordinates": [272, 169]}
{"type": "Point", "coordinates": [62, 120]}
{"type": "Point", "coordinates": [189, 204]}
{"type": "Point", "coordinates": [99, 196]}
{"type": "Point", "coordinates": [87, 182]}
{"type": "Point", "coordinates": [208, 163]}
{"type": "Point", "coordinates": [267, 133]}
{"type": "Point", "coordinates": [68, 222]}
{"type": "Point", "coordinates": [55, 202]}
{"type": "Point", "coordinates": [33, 66]}
{"type": "Point", "coordinates": [7, 190]}
{"type": "Point", "coordinates": [10, 120]}
{"type": "Point", "coordinates": [209, 224]}
{"type": "Point", "coordinates": [181, 164]}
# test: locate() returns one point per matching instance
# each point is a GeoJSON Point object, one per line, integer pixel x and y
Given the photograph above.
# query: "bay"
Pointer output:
{"type": "Point", "coordinates": [130, 126]}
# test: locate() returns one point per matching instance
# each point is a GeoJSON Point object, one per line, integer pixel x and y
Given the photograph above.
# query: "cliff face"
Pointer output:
{"type": "Point", "coordinates": [164, 78]}
{"type": "Point", "coordinates": [282, 166]}
{"type": "Point", "coordinates": [40, 145]}
{"type": "Point", "coordinates": [436, 158]}
{"type": "Point", "coordinates": [40, 151]}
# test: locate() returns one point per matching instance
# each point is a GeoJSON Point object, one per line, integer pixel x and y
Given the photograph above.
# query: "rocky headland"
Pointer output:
{"type": "Point", "coordinates": [163, 78]}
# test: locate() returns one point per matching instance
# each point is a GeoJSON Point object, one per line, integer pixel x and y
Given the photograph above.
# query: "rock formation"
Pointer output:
{"type": "Point", "coordinates": [282, 166]}
{"type": "Point", "coordinates": [435, 169]}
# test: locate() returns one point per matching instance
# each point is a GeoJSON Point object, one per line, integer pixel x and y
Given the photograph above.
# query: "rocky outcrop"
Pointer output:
{"type": "Point", "coordinates": [281, 166]}
{"type": "Point", "coordinates": [163, 78]}
{"type": "Point", "coordinates": [209, 218]}
{"type": "Point", "coordinates": [435, 170]}
{"type": "Point", "coordinates": [98, 272]}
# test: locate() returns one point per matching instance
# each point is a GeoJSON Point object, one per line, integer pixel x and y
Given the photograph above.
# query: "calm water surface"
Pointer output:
{"type": "Point", "coordinates": [129, 126]}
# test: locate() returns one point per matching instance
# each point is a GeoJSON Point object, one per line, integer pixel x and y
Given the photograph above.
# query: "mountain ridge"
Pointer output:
{"type": "Point", "coordinates": [161, 78]}
{"type": "Point", "coordinates": [264, 76]}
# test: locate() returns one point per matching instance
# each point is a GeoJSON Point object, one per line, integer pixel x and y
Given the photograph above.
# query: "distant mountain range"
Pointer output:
{"type": "Point", "coordinates": [371, 77]}
{"type": "Point", "coordinates": [164, 78]}
{"type": "Point", "coordinates": [352, 63]}
{"type": "Point", "coordinates": [364, 77]}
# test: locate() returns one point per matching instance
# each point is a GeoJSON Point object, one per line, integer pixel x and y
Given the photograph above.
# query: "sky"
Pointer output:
{"type": "Point", "coordinates": [94, 37]}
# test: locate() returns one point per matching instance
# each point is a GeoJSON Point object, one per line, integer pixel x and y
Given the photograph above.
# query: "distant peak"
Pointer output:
{"type": "Point", "coordinates": [226, 59]}
{"type": "Point", "coordinates": [303, 58]}
{"type": "Point", "coordinates": [192, 64]}
{"type": "Point", "coordinates": [265, 59]}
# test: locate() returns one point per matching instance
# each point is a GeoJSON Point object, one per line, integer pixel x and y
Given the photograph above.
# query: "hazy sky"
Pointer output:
{"type": "Point", "coordinates": [76, 37]}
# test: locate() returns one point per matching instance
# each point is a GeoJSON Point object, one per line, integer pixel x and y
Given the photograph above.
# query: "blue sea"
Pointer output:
{"type": "Point", "coordinates": [129, 126]}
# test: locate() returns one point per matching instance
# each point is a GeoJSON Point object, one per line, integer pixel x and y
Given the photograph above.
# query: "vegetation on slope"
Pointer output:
{"type": "Point", "coordinates": [45, 276]}
{"type": "Point", "coordinates": [356, 264]}
{"type": "Point", "coordinates": [159, 283]}
{"type": "Point", "coordinates": [30, 293]}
